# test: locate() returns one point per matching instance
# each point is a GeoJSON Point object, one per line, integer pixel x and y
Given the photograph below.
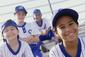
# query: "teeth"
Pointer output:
{"type": "Point", "coordinates": [71, 35]}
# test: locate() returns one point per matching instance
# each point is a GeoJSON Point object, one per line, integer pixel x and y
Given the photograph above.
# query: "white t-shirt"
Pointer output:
{"type": "Point", "coordinates": [23, 51]}
{"type": "Point", "coordinates": [57, 52]}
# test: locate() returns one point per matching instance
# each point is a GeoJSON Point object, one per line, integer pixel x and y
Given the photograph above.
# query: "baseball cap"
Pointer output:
{"type": "Point", "coordinates": [8, 23]}
{"type": "Point", "coordinates": [65, 12]}
{"type": "Point", "coordinates": [20, 8]}
{"type": "Point", "coordinates": [37, 12]}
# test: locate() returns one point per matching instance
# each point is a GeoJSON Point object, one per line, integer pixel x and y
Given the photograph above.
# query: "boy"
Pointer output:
{"type": "Point", "coordinates": [65, 24]}
{"type": "Point", "coordinates": [40, 23]}
{"type": "Point", "coordinates": [12, 46]}
{"type": "Point", "coordinates": [27, 31]}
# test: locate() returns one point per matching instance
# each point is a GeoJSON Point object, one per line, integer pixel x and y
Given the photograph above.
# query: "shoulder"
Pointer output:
{"type": "Point", "coordinates": [23, 43]}
{"type": "Point", "coordinates": [54, 50]}
{"type": "Point", "coordinates": [2, 46]}
{"type": "Point", "coordinates": [28, 24]}
{"type": "Point", "coordinates": [45, 20]}
{"type": "Point", "coordinates": [55, 47]}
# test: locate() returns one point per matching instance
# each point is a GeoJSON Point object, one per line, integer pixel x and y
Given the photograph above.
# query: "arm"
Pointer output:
{"type": "Point", "coordinates": [34, 38]}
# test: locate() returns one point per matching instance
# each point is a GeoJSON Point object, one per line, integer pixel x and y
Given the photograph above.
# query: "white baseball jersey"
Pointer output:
{"type": "Point", "coordinates": [23, 51]}
{"type": "Point", "coordinates": [59, 51]}
{"type": "Point", "coordinates": [26, 30]}
{"type": "Point", "coordinates": [45, 26]}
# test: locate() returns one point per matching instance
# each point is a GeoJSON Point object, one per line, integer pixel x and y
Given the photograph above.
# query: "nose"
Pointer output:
{"type": "Point", "coordinates": [67, 30]}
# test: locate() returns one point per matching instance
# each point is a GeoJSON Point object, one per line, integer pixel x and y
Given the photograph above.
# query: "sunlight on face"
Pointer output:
{"type": "Point", "coordinates": [67, 29]}
{"type": "Point", "coordinates": [10, 33]}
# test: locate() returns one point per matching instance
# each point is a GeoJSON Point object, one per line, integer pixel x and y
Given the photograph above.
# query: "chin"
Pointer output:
{"type": "Point", "coordinates": [72, 40]}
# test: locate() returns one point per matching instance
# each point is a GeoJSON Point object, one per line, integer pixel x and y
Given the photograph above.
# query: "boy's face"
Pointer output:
{"type": "Point", "coordinates": [20, 16]}
{"type": "Point", "coordinates": [37, 17]}
{"type": "Point", "coordinates": [67, 29]}
{"type": "Point", "coordinates": [10, 33]}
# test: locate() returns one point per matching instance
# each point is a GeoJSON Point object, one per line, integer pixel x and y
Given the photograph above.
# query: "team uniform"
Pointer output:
{"type": "Point", "coordinates": [45, 25]}
{"type": "Point", "coordinates": [23, 50]}
{"type": "Point", "coordinates": [59, 50]}
{"type": "Point", "coordinates": [27, 29]}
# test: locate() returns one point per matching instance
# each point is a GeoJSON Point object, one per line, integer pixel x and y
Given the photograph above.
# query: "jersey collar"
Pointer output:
{"type": "Point", "coordinates": [22, 25]}
{"type": "Point", "coordinates": [66, 54]}
{"type": "Point", "coordinates": [12, 51]}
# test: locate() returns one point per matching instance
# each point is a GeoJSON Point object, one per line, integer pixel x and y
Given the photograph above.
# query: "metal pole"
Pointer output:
{"type": "Point", "coordinates": [50, 7]}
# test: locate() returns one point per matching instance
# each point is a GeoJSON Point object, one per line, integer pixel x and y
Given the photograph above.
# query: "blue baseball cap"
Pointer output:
{"type": "Point", "coordinates": [65, 12]}
{"type": "Point", "coordinates": [37, 12]}
{"type": "Point", "coordinates": [7, 24]}
{"type": "Point", "coordinates": [20, 8]}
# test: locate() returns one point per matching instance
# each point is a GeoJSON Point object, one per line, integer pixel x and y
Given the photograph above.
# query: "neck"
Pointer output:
{"type": "Point", "coordinates": [13, 43]}
{"type": "Point", "coordinates": [20, 23]}
{"type": "Point", "coordinates": [70, 45]}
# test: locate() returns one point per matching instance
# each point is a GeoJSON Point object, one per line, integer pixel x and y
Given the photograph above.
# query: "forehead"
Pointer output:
{"type": "Point", "coordinates": [37, 14]}
{"type": "Point", "coordinates": [9, 27]}
{"type": "Point", "coordinates": [20, 12]}
{"type": "Point", "coordinates": [64, 20]}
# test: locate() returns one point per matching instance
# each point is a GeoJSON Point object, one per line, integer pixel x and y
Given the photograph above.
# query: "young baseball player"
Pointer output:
{"type": "Point", "coordinates": [28, 32]}
{"type": "Point", "coordinates": [65, 23]}
{"type": "Point", "coordinates": [40, 23]}
{"type": "Point", "coordinates": [12, 46]}
{"type": "Point", "coordinates": [26, 29]}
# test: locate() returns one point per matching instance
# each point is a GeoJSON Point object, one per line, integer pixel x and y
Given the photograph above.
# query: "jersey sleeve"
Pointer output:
{"type": "Point", "coordinates": [35, 30]}
{"type": "Point", "coordinates": [28, 51]}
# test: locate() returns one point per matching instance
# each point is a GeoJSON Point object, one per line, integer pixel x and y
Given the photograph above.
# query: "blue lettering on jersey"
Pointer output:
{"type": "Point", "coordinates": [24, 30]}
{"type": "Point", "coordinates": [29, 31]}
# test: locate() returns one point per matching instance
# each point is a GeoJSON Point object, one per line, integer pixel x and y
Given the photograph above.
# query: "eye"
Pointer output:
{"type": "Point", "coordinates": [12, 29]}
{"type": "Point", "coordinates": [62, 27]}
{"type": "Point", "coordinates": [6, 30]}
{"type": "Point", "coordinates": [71, 24]}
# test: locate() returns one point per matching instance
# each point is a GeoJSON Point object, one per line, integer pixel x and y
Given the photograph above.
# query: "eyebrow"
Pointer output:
{"type": "Point", "coordinates": [67, 22]}
{"type": "Point", "coordinates": [70, 21]}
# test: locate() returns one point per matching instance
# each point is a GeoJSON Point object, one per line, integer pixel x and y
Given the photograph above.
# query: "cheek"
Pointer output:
{"type": "Point", "coordinates": [5, 35]}
{"type": "Point", "coordinates": [15, 32]}
{"type": "Point", "coordinates": [74, 29]}
{"type": "Point", "coordinates": [20, 16]}
{"type": "Point", "coordinates": [60, 32]}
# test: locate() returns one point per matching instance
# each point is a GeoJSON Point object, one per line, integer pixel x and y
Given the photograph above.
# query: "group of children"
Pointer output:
{"type": "Point", "coordinates": [22, 39]}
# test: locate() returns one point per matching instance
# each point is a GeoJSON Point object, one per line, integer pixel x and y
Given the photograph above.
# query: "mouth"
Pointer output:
{"type": "Point", "coordinates": [71, 36]}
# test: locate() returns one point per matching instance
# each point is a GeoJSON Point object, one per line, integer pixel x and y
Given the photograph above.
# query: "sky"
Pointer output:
{"type": "Point", "coordinates": [7, 8]}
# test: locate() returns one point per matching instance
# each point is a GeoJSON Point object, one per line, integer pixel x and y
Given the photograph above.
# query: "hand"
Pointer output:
{"type": "Point", "coordinates": [44, 32]}
{"type": "Point", "coordinates": [32, 39]}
